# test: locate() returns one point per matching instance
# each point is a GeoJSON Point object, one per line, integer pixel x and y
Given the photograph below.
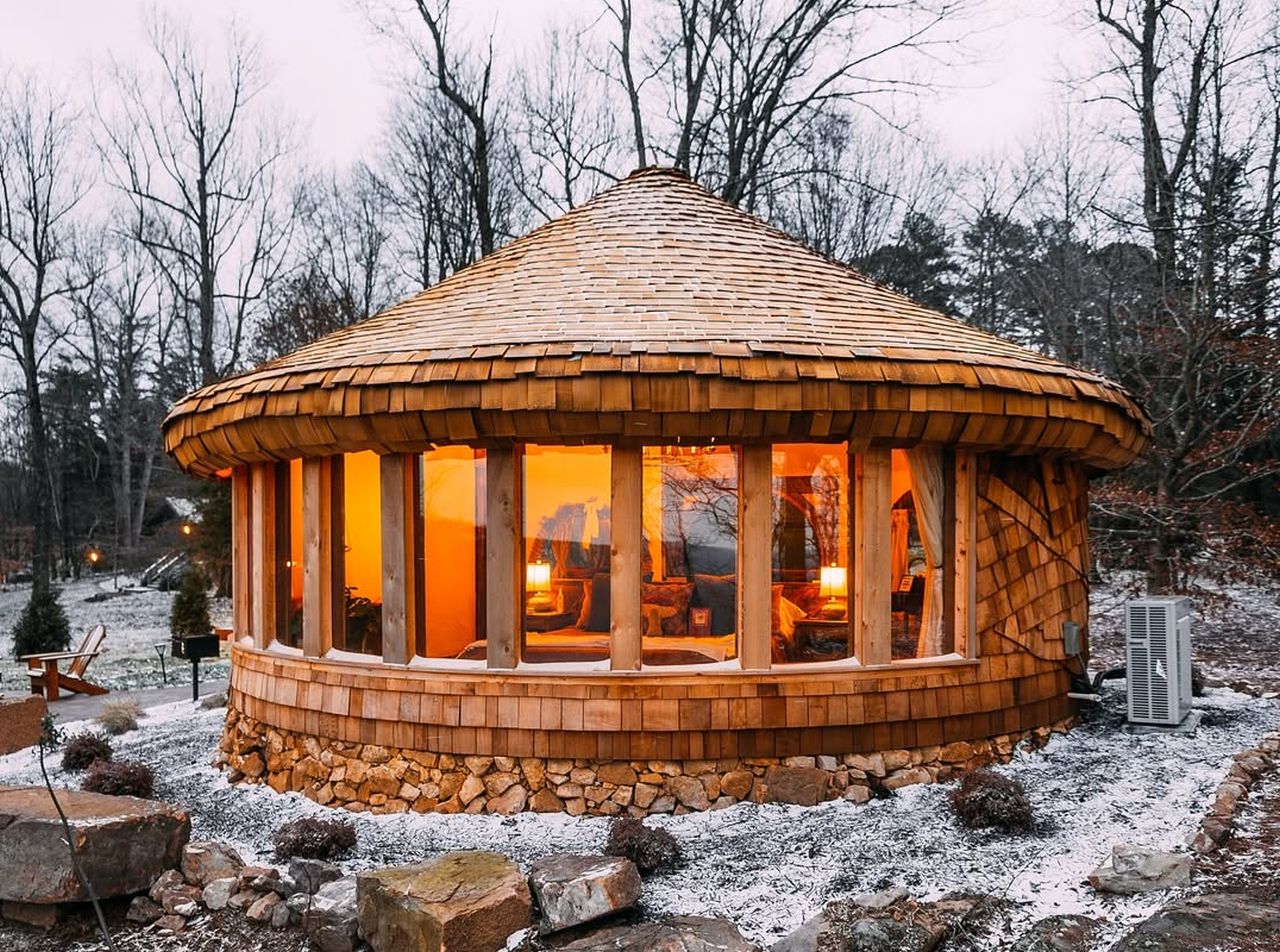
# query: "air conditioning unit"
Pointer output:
{"type": "Point", "coordinates": [1158, 659]}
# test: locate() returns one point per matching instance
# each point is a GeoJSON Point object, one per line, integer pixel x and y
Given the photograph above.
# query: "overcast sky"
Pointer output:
{"type": "Point", "coordinates": [329, 67]}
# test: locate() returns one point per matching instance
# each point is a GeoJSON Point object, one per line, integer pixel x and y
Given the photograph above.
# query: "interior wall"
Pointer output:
{"type": "Point", "coordinates": [451, 534]}
{"type": "Point", "coordinates": [362, 526]}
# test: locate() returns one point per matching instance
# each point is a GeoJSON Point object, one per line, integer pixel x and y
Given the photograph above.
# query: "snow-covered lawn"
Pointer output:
{"type": "Point", "coordinates": [136, 621]}
{"type": "Point", "coordinates": [770, 867]}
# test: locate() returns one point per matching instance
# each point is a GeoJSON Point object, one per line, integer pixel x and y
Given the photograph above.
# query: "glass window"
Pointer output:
{"type": "Point", "coordinates": [689, 597]}
{"type": "Point", "coordinates": [362, 546]}
{"type": "Point", "coordinates": [293, 626]}
{"type": "Point", "coordinates": [810, 599]}
{"type": "Point", "coordinates": [566, 550]}
{"type": "Point", "coordinates": [453, 494]}
{"type": "Point", "coordinates": [917, 557]}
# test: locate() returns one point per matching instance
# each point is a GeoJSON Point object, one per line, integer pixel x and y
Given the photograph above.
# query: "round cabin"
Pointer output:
{"type": "Point", "coordinates": [652, 509]}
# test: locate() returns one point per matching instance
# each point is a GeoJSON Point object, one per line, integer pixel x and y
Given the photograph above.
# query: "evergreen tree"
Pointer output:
{"type": "Point", "coordinates": [190, 613]}
{"type": "Point", "coordinates": [42, 627]}
{"type": "Point", "coordinates": [919, 263]}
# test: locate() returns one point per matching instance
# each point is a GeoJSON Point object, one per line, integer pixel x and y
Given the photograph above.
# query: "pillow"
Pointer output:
{"type": "Point", "coordinates": [807, 595]}
{"type": "Point", "coordinates": [673, 596]}
{"type": "Point", "coordinates": [651, 618]}
{"type": "Point", "coordinates": [788, 613]}
{"type": "Point", "coordinates": [596, 612]}
{"type": "Point", "coordinates": [720, 594]}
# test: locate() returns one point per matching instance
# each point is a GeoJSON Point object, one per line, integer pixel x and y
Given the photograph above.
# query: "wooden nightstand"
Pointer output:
{"type": "Point", "coordinates": [821, 639]}
{"type": "Point", "coordinates": [548, 621]}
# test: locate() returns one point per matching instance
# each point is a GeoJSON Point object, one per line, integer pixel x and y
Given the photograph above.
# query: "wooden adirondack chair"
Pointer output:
{"type": "Point", "coordinates": [45, 677]}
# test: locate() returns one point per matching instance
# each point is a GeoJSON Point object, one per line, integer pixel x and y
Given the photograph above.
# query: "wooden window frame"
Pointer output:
{"type": "Point", "coordinates": [269, 552]}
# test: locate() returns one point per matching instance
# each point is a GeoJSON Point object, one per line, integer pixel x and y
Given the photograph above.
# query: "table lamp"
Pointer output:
{"type": "Point", "coordinates": [834, 586]}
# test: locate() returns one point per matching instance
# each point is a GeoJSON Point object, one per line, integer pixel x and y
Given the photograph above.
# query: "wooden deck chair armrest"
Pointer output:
{"type": "Point", "coordinates": [59, 656]}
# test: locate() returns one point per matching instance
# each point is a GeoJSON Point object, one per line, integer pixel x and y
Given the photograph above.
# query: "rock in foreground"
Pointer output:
{"type": "Point", "coordinates": [1135, 869]}
{"type": "Point", "coordinates": [123, 844]}
{"type": "Point", "coordinates": [903, 925]}
{"type": "Point", "coordinates": [1213, 921]}
{"type": "Point", "coordinates": [572, 890]}
{"type": "Point", "coordinates": [680, 934]}
{"type": "Point", "coordinates": [461, 902]}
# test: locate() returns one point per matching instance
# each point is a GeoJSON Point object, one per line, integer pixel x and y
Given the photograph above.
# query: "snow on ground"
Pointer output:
{"type": "Point", "coordinates": [770, 867]}
{"type": "Point", "coordinates": [136, 620]}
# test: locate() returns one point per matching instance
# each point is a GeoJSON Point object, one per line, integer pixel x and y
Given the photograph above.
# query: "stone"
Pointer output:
{"type": "Point", "coordinates": [280, 915]}
{"type": "Point", "coordinates": [245, 897]}
{"type": "Point", "coordinates": [1063, 933]}
{"type": "Point", "coordinates": [172, 900]}
{"type": "Point", "coordinates": [122, 843]}
{"type": "Point", "coordinates": [906, 778]}
{"type": "Point", "coordinates": [40, 915]}
{"type": "Point", "coordinates": [205, 861]}
{"type": "Point", "coordinates": [535, 772]}
{"type": "Point", "coordinates": [261, 909]}
{"type": "Point", "coordinates": [678, 934]}
{"type": "Point", "coordinates": [799, 762]}
{"type": "Point", "coordinates": [374, 754]}
{"type": "Point", "coordinates": [21, 721]}
{"type": "Point", "coordinates": [880, 900]}
{"type": "Point", "coordinates": [616, 772]}
{"type": "Point", "coordinates": [187, 909]}
{"type": "Point", "coordinates": [690, 792]}
{"type": "Point", "coordinates": [166, 881]}
{"type": "Point", "coordinates": [572, 890]}
{"type": "Point", "coordinates": [644, 794]}
{"type": "Point", "coordinates": [218, 893]}
{"type": "Point", "coordinates": [499, 782]}
{"type": "Point", "coordinates": [826, 762]}
{"type": "Point", "coordinates": [1210, 921]}
{"type": "Point", "coordinates": [1136, 869]}
{"type": "Point", "coordinates": [143, 909]}
{"type": "Point", "coordinates": [260, 878]}
{"type": "Point", "coordinates": [331, 919]}
{"type": "Point", "coordinates": [472, 787]}
{"type": "Point", "coordinates": [857, 793]}
{"type": "Point", "coordinates": [737, 784]}
{"type": "Point", "coordinates": [957, 752]}
{"type": "Point", "coordinates": [461, 902]}
{"type": "Point", "coordinates": [805, 786]}
{"type": "Point", "coordinates": [545, 801]}
{"type": "Point", "coordinates": [308, 875]}
{"type": "Point", "coordinates": [478, 766]}
{"type": "Point", "coordinates": [511, 802]}
{"type": "Point", "coordinates": [903, 926]}
{"type": "Point", "coordinates": [171, 923]}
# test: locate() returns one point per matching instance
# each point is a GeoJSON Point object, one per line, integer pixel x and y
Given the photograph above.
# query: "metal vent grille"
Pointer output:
{"type": "Point", "coordinates": [1149, 669]}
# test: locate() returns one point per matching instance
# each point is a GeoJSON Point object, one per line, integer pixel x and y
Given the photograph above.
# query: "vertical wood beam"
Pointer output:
{"type": "Point", "coordinates": [323, 582]}
{"type": "Point", "coordinates": [401, 483]}
{"type": "Point", "coordinates": [626, 555]}
{"type": "Point", "coordinates": [242, 593]}
{"type": "Point", "coordinates": [755, 556]}
{"type": "Point", "coordinates": [963, 615]}
{"type": "Point", "coordinates": [265, 547]}
{"type": "Point", "coordinates": [504, 611]}
{"type": "Point", "coordinates": [873, 482]}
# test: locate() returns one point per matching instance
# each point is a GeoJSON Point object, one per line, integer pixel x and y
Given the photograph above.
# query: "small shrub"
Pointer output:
{"type": "Point", "coordinates": [81, 750]}
{"type": "Point", "coordinates": [986, 799]}
{"type": "Point", "coordinates": [42, 627]}
{"type": "Point", "coordinates": [120, 715]}
{"type": "Point", "coordinates": [189, 615]}
{"type": "Point", "coordinates": [122, 778]}
{"type": "Point", "coordinates": [314, 838]}
{"type": "Point", "coordinates": [648, 847]}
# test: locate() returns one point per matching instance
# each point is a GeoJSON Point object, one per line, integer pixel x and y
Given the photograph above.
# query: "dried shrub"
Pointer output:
{"type": "Point", "coordinates": [121, 778]}
{"type": "Point", "coordinates": [648, 847]}
{"type": "Point", "coordinates": [79, 751]}
{"type": "Point", "coordinates": [314, 838]}
{"type": "Point", "coordinates": [120, 715]}
{"type": "Point", "coordinates": [987, 799]}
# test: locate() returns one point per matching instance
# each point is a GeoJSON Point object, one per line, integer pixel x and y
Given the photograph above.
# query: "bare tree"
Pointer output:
{"type": "Point", "coordinates": [40, 188]}
{"type": "Point", "coordinates": [624, 49]}
{"type": "Point", "coordinates": [203, 176]}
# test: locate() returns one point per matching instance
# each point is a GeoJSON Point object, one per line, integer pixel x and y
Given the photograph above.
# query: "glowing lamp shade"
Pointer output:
{"type": "Point", "coordinates": [537, 582]}
{"type": "Point", "coordinates": [833, 586]}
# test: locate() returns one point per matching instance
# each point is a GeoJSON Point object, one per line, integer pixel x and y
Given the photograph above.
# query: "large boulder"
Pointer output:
{"type": "Point", "coordinates": [1062, 933]}
{"type": "Point", "coordinates": [122, 843]}
{"type": "Point", "coordinates": [679, 934]}
{"type": "Point", "coordinates": [805, 786]}
{"type": "Point", "coordinates": [21, 721]}
{"type": "Point", "coordinates": [461, 902]}
{"type": "Point", "coordinates": [1136, 869]}
{"type": "Point", "coordinates": [331, 918]}
{"type": "Point", "coordinates": [572, 890]}
{"type": "Point", "coordinates": [904, 925]}
{"type": "Point", "coordinates": [1213, 921]}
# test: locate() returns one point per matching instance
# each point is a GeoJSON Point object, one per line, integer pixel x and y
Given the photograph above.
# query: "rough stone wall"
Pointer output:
{"type": "Point", "coordinates": [378, 779]}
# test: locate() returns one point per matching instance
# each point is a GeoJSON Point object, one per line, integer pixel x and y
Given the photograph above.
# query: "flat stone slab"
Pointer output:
{"type": "Point", "coordinates": [123, 844]}
{"type": "Point", "coordinates": [1136, 869]}
{"type": "Point", "coordinates": [900, 924]}
{"type": "Point", "coordinates": [572, 890]}
{"type": "Point", "coordinates": [679, 934]}
{"type": "Point", "coordinates": [21, 721]}
{"type": "Point", "coordinates": [1210, 922]}
{"type": "Point", "coordinates": [461, 902]}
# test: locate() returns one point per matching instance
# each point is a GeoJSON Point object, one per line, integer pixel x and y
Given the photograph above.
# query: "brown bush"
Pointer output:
{"type": "Point", "coordinates": [121, 778]}
{"type": "Point", "coordinates": [81, 750]}
{"type": "Point", "coordinates": [646, 846]}
{"type": "Point", "coordinates": [987, 799]}
{"type": "Point", "coordinates": [313, 838]}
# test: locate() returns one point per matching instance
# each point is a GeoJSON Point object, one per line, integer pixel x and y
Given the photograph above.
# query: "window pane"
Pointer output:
{"type": "Point", "coordinates": [293, 627]}
{"type": "Point", "coordinates": [566, 548]}
{"type": "Point", "coordinates": [689, 598]}
{"type": "Point", "coordinates": [810, 599]}
{"type": "Point", "coordinates": [453, 545]}
{"type": "Point", "coordinates": [362, 539]}
{"type": "Point", "coordinates": [917, 558]}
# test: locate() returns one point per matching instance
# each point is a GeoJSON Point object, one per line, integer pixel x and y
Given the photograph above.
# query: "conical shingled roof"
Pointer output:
{"type": "Point", "coordinates": [652, 278]}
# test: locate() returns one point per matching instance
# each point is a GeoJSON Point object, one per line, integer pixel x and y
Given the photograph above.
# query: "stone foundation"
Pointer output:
{"type": "Point", "coordinates": [378, 779]}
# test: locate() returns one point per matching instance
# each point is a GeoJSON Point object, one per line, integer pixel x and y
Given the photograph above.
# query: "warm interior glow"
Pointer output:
{"type": "Point", "coordinates": [906, 562]}
{"type": "Point", "coordinates": [362, 538]}
{"type": "Point", "coordinates": [835, 582]}
{"type": "Point", "coordinates": [453, 540]}
{"type": "Point", "coordinates": [538, 577]}
{"type": "Point", "coordinates": [294, 627]}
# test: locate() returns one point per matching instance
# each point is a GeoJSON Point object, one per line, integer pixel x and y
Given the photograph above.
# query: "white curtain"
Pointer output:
{"type": "Point", "coordinates": [898, 547]}
{"type": "Point", "coordinates": [926, 489]}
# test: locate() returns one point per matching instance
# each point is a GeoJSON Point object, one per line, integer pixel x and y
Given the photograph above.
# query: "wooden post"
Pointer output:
{"type": "Point", "coordinates": [755, 556]}
{"type": "Point", "coordinates": [503, 610]}
{"type": "Point", "coordinates": [964, 531]}
{"type": "Point", "coordinates": [265, 611]}
{"type": "Point", "coordinates": [872, 521]}
{"type": "Point", "coordinates": [241, 553]}
{"type": "Point", "coordinates": [626, 555]}
{"type": "Point", "coordinates": [402, 620]}
{"type": "Point", "coordinates": [323, 594]}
